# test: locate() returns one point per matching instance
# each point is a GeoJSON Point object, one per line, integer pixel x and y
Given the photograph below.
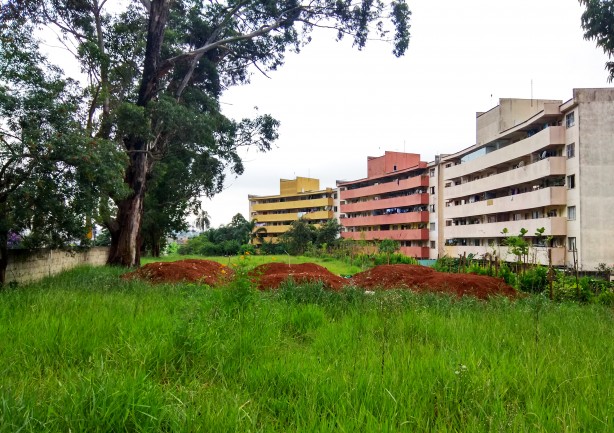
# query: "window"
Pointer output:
{"type": "Point", "coordinates": [431, 208]}
{"type": "Point", "coordinates": [432, 172]}
{"type": "Point", "coordinates": [571, 244]}
{"type": "Point", "coordinates": [432, 245]}
{"type": "Point", "coordinates": [571, 150]}
{"type": "Point", "coordinates": [432, 227]}
{"type": "Point", "coordinates": [571, 213]}
{"type": "Point", "coordinates": [570, 120]}
{"type": "Point", "coordinates": [432, 190]}
{"type": "Point", "coordinates": [394, 168]}
{"type": "Point", "coordinates": [571, 181]}
{"type": "Point", "coordinates": [476, 242]}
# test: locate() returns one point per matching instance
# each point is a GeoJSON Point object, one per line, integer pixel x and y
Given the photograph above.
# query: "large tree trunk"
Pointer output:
{"type": "Point", "coordinates": [125, 239]}
{"type": "Point", "coordinates": [125, 230]}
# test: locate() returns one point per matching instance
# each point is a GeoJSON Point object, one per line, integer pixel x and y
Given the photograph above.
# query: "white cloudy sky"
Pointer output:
{"type": "Point", "coordinates": [338, 105]}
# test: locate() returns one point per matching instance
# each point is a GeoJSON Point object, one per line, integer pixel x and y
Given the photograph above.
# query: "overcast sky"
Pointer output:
{"type": "Point", "coordinates": [338, 105]}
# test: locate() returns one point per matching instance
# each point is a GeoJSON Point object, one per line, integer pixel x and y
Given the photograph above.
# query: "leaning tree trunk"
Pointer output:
{"type": "Point", "coordinates": [125, 230]}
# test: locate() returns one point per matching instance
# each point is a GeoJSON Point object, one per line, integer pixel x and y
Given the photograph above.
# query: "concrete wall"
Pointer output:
{"type": "Point", "coordinates": [596, 158]}
{"type": "Point", "coordinates": [391, 162]}
{"type": "Point", "coordinates": [27, 265]}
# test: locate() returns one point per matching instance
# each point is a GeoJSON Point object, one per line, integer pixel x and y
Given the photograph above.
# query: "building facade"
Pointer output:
{"type": "Point", "coordinates": [390, 203]}
{"type": "Point", "coordinates": [297, 198]}
{"type": "Point", "coordinates": [539, 167]}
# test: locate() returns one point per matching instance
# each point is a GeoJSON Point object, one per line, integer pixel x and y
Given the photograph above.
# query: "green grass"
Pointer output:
{"type": "Point", "coordinates": [87, 351]}
{"type": "Point", "coordinates": [337, 267]}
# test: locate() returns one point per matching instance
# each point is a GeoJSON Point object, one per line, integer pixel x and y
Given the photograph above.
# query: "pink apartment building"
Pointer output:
{"type": "Point", "coordinates": [390, 203]}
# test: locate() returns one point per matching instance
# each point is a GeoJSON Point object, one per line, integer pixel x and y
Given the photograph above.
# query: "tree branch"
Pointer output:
{"type": "Point", "coordinates": [170, 62]}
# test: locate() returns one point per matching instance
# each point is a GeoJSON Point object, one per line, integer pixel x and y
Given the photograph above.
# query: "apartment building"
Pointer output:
{"type": "Point", "coordinates": [297, 198]}
{"type": "Point", "coordinates": [392, 202]}
{"type": "Point", "coordinates": [541, 166]}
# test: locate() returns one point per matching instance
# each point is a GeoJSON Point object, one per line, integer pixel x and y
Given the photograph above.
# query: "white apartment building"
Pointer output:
{"type": "Point", "coordinates": [537, 165]}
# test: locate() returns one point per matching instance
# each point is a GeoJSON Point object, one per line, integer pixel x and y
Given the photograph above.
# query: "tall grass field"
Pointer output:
{"type": "Point", "coordinates": [88, 351]}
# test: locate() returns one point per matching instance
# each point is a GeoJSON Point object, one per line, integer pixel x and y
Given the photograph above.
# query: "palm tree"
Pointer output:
{"type": "Point", "coordinates": [203, 221]}
{"type": "Point", "coordinates": [256, 232]}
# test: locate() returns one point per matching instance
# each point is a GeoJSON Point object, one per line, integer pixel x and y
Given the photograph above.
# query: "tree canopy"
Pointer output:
{"type": "Point", "coordinates": [155, 72]}
{"type": "Point", "coordinates": [598, 25]}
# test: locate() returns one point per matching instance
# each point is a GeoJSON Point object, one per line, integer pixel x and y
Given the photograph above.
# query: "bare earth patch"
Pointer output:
{"type": "Point", "coordinates": [269, 276]}
{"type": "Point", "coordinates": [189, 270]}
{"type": "Point", "coordinates": [421, 278]}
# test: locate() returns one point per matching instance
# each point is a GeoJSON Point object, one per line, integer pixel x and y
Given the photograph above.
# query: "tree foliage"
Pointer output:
{"type": "Point", "coordinates": [598, 25]}
{"type": "Point", "coordinates": [303, 234]}
{"type": "Point", "coordinates": [156, 71]}
{"type": "Point", "coordinates": [52, 173]}
{"type": "Point", "coordinates": [225, 240]}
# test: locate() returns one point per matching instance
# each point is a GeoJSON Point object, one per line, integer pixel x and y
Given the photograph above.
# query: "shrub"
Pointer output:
{"type": "Point", "coordinates": [534, 280]}
{"type": "Point", "coordinates": [508, 276]}
{"type": "Point", "coordinates": [446, 264]}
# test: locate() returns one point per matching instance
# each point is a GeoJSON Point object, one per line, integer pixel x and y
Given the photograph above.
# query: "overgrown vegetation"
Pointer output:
{"type": "Point", "coordinates": [87, 351]}
{"type": "Point", "coordinates": [535, 279]}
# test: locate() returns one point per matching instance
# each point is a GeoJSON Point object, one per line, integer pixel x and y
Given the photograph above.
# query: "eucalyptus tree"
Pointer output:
{"type": "Point", "coordinates": [598, 25]}
{"type": "Point", "coordinates": [156, 70]}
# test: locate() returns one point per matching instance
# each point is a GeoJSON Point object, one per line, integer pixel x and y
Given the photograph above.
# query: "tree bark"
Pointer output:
{"type": "Point", "coordinates": [125, 230]}
{"type": "Point", "coordinates": [125, 239]}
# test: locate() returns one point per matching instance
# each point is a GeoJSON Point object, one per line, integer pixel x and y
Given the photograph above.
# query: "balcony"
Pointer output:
{"type": "Point", "coordinates": [555, 226]}
{"type": "Point", "coordinates": [383, 188]}
{"type": "Point", "coordinates": [536, 254]}
{"type": "Point", "coordinates": [397, 235]}
{"type": "Point", "coordinates": [552, 166]}
{"type": "Point", "coordinates": [277, 229]}
{"type": "Point", "coordinates": [387, 203]}
{"type": "Point", "coordinates": [292, 204]}
{"type": "Point", "coordinates": [417, 252]}
{"type": "Point", "coordinates": [553, 196]}
{"type": "Point", "coordinates": [553, 135]}
{"type": "Point", "coordinates": [398, 218]}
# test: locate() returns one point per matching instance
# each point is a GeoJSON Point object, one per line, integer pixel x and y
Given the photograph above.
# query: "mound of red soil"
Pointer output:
{"type": "Point", "coordinates": [271, 275]}
{"type": "Point", "coordinates": [421, 278]}
{"type": "Point", "coordinates": [192, 270]}
{"type": "Point", "coordinates": [384, 277]}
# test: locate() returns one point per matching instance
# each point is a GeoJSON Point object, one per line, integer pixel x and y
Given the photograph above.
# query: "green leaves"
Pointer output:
{"type": "Point", "coordinates": [598, 25]}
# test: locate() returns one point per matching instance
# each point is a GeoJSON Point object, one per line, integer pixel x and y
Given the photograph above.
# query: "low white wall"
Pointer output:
{"type": "Point", "coordinates": [33, 265]}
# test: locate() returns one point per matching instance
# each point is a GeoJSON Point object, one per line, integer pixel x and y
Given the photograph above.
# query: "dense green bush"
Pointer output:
{"type": "Point", "coordinates": [370, 260]}
{"type": "Point", "coordinates": [533, 280]}
{"type": "Point", "coordinates": [446, 264]}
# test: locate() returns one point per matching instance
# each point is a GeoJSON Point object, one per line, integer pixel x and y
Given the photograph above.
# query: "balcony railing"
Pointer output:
{"type": "Point", "coordinates": [552, 166]}
{"type": "Point", "coordinates": [387, 203]}
{"type": "Point", "coordinates": [552, 196]}
{"type": "Point", "coordinates": [417, 252]}
{"type": "Point", "coordinates": [553, 135]}
{"type": "Point", "coordinates": [397, 218]}
{"type": "Point", "coordinates": [397, 235]}
{"type": "Point", "coordinates": [383, 188]}
{"type": "Point", "coordinates": [555, 226]}
{"type": "Point", "coordinates": [292, 204]}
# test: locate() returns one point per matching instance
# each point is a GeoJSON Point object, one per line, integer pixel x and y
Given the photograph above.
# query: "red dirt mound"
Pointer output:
{"type": "Point", "coordinates": [384, 277]}
{"type": "Point", "coordinates": [193, 270]}
{"type": "Point", "coordinates": [271, 275]}
{"type": "Point", "coordinates": [421, 278]}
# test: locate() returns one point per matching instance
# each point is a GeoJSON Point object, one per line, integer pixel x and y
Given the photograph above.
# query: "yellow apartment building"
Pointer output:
{"type": "Point", "coordinates": [297, 198]}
